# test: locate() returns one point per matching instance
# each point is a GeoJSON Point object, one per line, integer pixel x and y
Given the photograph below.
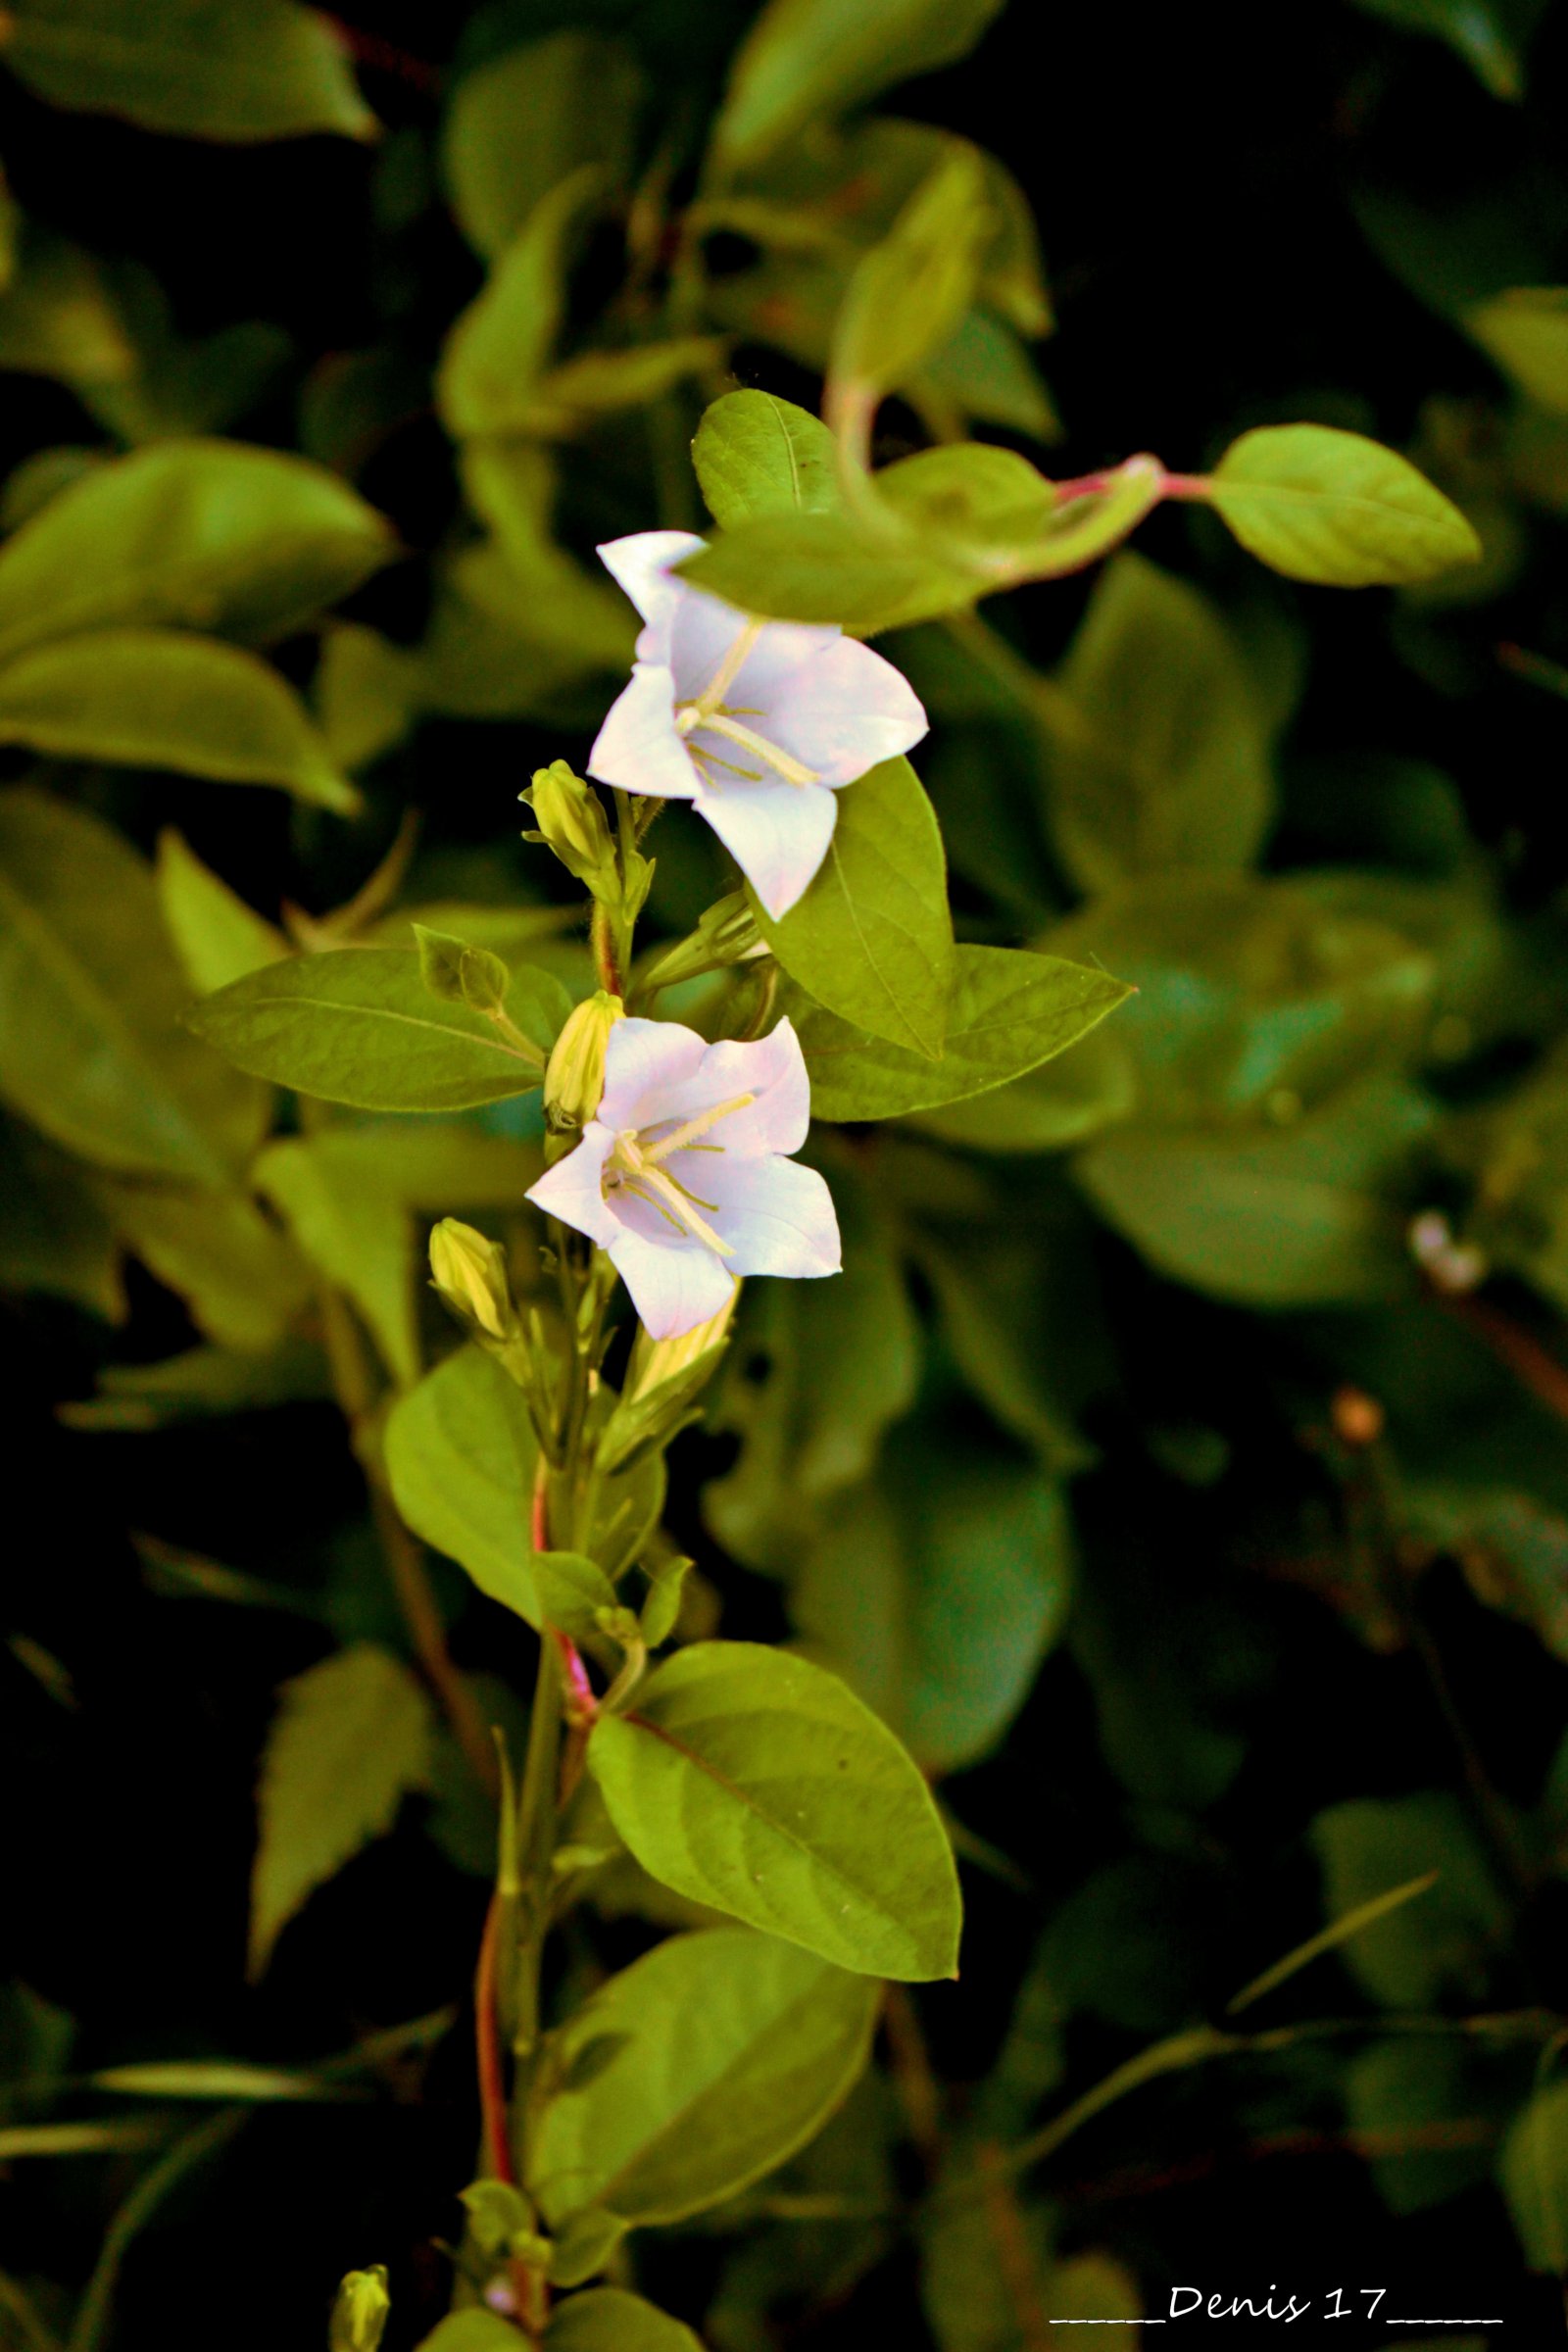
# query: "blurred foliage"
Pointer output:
{"type": "Point", "coordinates": [1180, 1464]}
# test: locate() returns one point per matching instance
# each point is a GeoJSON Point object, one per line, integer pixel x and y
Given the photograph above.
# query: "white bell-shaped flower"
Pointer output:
{"type": "Point", "coordinates": [683, 1176]}
{"type": "Point", "coordinates": [757, 723]}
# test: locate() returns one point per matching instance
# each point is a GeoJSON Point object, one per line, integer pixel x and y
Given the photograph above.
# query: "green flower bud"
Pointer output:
{"type": "Point", "coordinates": [459, 974]}
{"type": "Point", "coordinates": [726, 933]}
{"type": "Point", "coordinates": [574, 1080]}
{"type": "Point", "coordinates": [470, 1274]}
{"type": "Point", "coordinates": [359, 2316]}
{"type": "Point", "coordinates": [571, 820]}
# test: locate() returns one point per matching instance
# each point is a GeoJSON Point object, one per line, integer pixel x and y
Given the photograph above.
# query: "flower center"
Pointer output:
{"type": "Point", "coordinates": [635, 1166]}
{"type": "Point", "coordinates": [709, 711]}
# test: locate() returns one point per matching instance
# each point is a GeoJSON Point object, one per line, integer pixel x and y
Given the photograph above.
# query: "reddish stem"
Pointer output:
{"type": "Point", "coordinates": [487, 2045]}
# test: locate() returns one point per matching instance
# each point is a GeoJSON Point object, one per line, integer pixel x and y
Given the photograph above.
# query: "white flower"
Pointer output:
{"type": "Point", "coordinates": [756, 722]}
{"type": "Point", "coordinates": [682, 1176]}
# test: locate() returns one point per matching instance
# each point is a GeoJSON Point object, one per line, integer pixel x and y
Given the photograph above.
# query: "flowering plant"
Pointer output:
{"type": "Point", "coordinates": [857, 1247]}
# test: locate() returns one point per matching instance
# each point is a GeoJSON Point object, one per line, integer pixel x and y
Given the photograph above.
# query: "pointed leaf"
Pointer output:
{"type": "Point", "coordinates": [607, 2318]}
{"type": "Point", "coordinates": [350, 1739]}
{"type": "Point", "coordinates": [756, 454]}
{"type": "Point", "coordinates": [191, 534]}
{"type": "Point", "coordinates": [241, 69]}
{"type": "Point", "coordinates": [756, 1782]}
{"type": "Point", "coordinates": [217, 936]}
{"type": "Point", "coordinates": [357, 1025]}
{"type": "Point", "coordinates": [730, 2050]}
{"type": "Point", "coordinates": [153, 697]}
{"type": "Point", "coordinates": [1010, 1012]}
{"type": "Point", "coordinates": [872, 937]}
{"type": "Point", "coordinates": [1335, 507]}
{"type": "Point", "coordinates": [91, 1044]}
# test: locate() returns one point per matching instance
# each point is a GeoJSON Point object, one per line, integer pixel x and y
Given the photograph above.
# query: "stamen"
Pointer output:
{"type": "Point", "coordinates": [729, 670]}
{"type": "Point", "coordinates": [793, 771]}
{"type": "Point", "coordinates": [687, 1133]}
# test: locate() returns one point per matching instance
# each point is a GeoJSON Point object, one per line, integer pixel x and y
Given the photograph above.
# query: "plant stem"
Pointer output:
{"type": "Point", "coordinates": [90, 2326]}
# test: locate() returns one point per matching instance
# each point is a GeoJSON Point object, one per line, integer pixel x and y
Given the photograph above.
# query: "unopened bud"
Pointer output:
{"type": "Point", "coordinates": [470, 1274]}
{"type": "Point", "coordinates": [571, 820]}
{"type": "Point", "coordinates": [574, 1080]}
{"type": "Point", "coordinates": [726, 933]}
{"type": "Point", "coordinates": [459, 974]}
{"type": "Point", "coordinates": [655, 1362]}
{"type": "Point", "coordinates": [359, 2316]}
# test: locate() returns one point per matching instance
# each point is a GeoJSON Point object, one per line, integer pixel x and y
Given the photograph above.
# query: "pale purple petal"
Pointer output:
{"type": "Point", "coordinates": [645, 1061]}
{"type": "Point", "coordinates": [773, 1070]}
{"type": "Point", "coordinates": [674, 1285]}
{"type": "Point", "coordinates": [843, 712]}
{"type": "Point", "coordinates": [703, 630]}
{"type": "Point", "coordinates": [783, 649]}
{"type": "Point", "coordinates": [778, 1217]}
{"type": "Point", "coordinates": [573, 1190]}
{"type": "Point", "coordinates": [638, 748]}
{"type": "Point", "coordinates": [776, 833]}
{"type": "Point", "coordinates": [640, 565]}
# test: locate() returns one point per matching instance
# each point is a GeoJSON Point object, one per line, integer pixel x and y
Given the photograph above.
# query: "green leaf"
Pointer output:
{"type": "Point", "coordinates": [1490, 35]}
{"type": "Point", "coordinates": [475, 2330]}
{"type": "Point", "coordinates": [1010, 1012]}
{"type": "Point", "coordinates": [936, 1588]}
{"type": "Point", "coordinates": [200, 1383]}
{"type": "Point", "coordinates": [872, 939]}
{"type": "Point", "coordinates": [240, 70]}
{"type": "Point", "coordinates": [216, 937]}
{"type": "Point", "coordinates": [519, 124]}
{"type": "Point", "coordinates": [820, 1370]}
{"type": "Point", "coordinates": [241, 1280]}
{"type": "Point", "coordinates": [1425, 1953]}
{"type": "Point", "coordinates": [987, 502]}
{"type": "Point", "coordinates": [461, 1454]}
{"type": "Point", "coordinates": [366, 692]}
{"type": "Point", "coordinates": [154, 697]}
{"type": "Point", "coordinates": [608, 2319]}
{"type": "Point", "coordinates": [91, 1045]}
{"type": "Point", "coordinates": [906, 296]}
{"type": "Point", "coordinates": [357, 1025]}
{"type": "Point", "coordinates": [1524, 331]}
{"type": "Point", "coordinates": [1157, 753]}
{"type": "Point", "coordinates": [571, 1591]}
{"type": "Point", "coordinates": [1534, 2173]}
{"type": "Point", "coordinates": [820, 566]}
{"type": "Point", "coordinates": [500, 346]}
{"type": "Point", "coordinates": [54, 1236]}
{"type": "Point", "coordinates": [1336, 508]}
{"type": "Point", "coordinates": [808, 57]}
{"type": "Point", "coordinates": [757, 1783]}
{"type": "Point", "coordinates": [727, 2051]}
{"type": "Point", "coordinates": [756, 454]}
{"type": "Point", "coordinates": [1313, 1214]}
{"type": "Point", "coordinates": [350, 1196]}
{"type": "Point", "coordinates": [350, 1739]}
{"type": "Point", "coordinates": [201, 536]}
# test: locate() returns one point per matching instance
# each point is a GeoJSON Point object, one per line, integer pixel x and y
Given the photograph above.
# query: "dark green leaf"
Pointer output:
{"type": "Point", "coordinates": [241, 69]}
{"type": "Point", "coordinates": [91, 1045]}
{"type": "Point", "coordinates": [519, 124]}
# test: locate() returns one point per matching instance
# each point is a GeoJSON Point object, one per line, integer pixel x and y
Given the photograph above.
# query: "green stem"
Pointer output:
{"type": "Point", "coordinates": [90, 2327]}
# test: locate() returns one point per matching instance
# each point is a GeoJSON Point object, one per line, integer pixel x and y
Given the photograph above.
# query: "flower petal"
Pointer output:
{"type": "Point", "coordinates": [843, 712]}
{"type": "Point", "coordinates": [776, 833]}
{"type": "Point", "coordinates": [773, 1070]}
{"type": "Point", "coordinates": [645, 1061]}
{"type": "Point", "coordinates": [640, 565]}
{"type": "Point", "coordinates": [674, 1285]}
{"type": "Point", "coordinates": [778, 1217]}
{"type": "Point", "coordinates": [637, 747]}
{"type": "Point", "coordinates": [573, 1190]}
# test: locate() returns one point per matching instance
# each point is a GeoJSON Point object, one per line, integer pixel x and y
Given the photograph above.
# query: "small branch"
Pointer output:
{"type": "Point", "coordinates": [488, 2052]}
{"type": "Point", "coordinates": [912, 2077]}
{"type": "Point", "coordinates": [1531, 1364]}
